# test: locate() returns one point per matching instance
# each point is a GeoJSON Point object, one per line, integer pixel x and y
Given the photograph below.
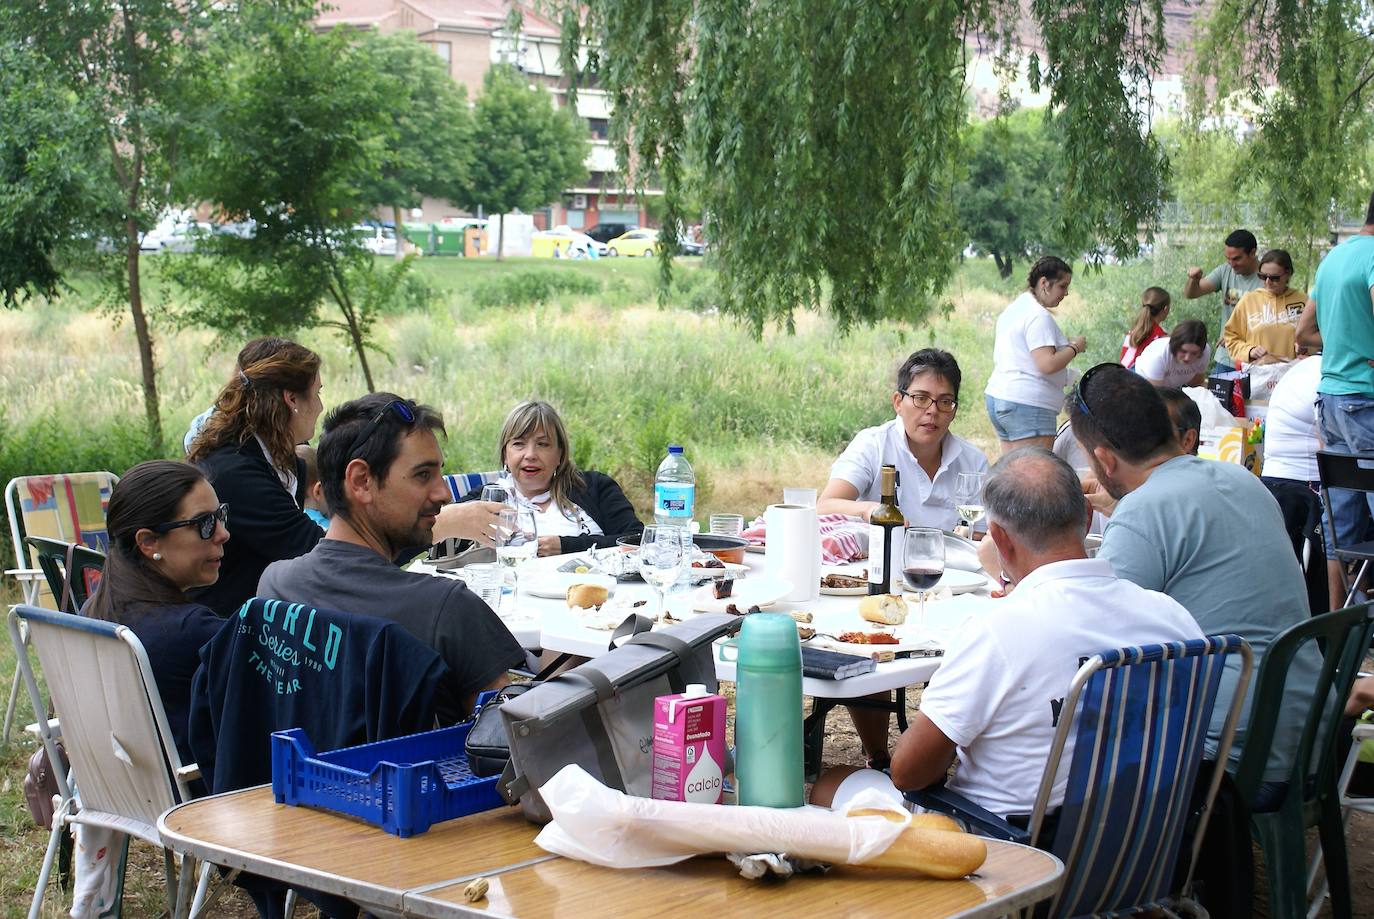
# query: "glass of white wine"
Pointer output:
{"type": "Point", "coordinates": [663, 555]}
{"type": "Point", "coordinates": [968, 498]}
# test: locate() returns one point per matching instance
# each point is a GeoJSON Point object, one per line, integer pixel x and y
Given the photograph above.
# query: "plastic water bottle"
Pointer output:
{"type": "Point", "coordinates": [675, 490]}
{"type": "Point", "coordinates": [768, 712]}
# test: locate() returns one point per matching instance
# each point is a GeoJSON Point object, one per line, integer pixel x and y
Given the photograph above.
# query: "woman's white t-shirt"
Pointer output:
{"type": "Point", "coordinates": [1290, 428]}
{"type": "Point", "coordinates": [1157, 363]}
{"type": "Point", "coordinates": [1024, 326]}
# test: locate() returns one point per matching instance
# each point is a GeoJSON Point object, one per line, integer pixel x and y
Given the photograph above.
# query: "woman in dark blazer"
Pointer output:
{"type": "Point", "coordinates": [247, 449]}
{"type": "Point", "coordinates": [574, 509]}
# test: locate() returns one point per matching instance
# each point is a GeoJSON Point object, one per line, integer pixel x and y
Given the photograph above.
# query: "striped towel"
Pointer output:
{"type": "Point", "coordinates": [843, 538]}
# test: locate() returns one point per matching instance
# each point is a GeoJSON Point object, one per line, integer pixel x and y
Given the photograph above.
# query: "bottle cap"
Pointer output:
{"type": "Point", "coordinates": [694, 690]}
{"type": "Point", "coordinates": [674, 448]}
{"type": "Point", "coordinates": [768, 641]}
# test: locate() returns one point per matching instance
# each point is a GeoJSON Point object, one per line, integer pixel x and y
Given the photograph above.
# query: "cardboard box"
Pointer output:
{"type": "Point", "coordinates": [1232, 446]}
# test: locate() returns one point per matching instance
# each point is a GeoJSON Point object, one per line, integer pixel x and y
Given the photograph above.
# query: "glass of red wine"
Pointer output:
{"type": "Point", "coordinates": [923, 563]}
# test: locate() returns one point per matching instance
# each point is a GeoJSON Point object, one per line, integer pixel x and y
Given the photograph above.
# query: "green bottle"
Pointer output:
{"type": "Point", "coordinates": [768, 712]}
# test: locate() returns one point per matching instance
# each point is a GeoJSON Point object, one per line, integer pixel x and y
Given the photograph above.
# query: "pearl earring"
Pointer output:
{"type": "Point", "coordinates": [157, 556]}
{"type": "Point", "coordinates": [295, 411]}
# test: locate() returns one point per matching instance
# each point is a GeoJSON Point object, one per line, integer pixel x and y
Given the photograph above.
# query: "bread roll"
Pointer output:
{"type": "Point", "coordinates": [886, 609]}
{"type": "Point", "coordinates": [937, 853]}
{"type": "Point", "coordinates": [587, 596]}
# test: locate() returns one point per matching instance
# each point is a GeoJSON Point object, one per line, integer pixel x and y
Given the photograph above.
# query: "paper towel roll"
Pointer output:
{"type": "Point", "coordinates": [792, 549]}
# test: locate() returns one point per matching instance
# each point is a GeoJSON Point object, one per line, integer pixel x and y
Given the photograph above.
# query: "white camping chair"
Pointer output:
{"type": "Point", "coordinates": [125, 770]}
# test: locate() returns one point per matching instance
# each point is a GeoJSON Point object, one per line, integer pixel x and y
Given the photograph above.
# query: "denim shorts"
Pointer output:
{"type": "Point", "coordinates": [1346, 424]}
{"type": "Point", "coordinates": [1017, 421]}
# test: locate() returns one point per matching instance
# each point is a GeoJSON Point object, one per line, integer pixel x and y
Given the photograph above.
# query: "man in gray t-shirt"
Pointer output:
{"type": "Point", "coordinates": [1235, 278]}
{"type": "Point", "coordinates": [1206, 533]}
{"type": "Point", "coordinates": [380, 466]}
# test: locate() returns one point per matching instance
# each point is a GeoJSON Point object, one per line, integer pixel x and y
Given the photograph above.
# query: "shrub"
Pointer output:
{"type": "Point", "coordinates": [528, 288]}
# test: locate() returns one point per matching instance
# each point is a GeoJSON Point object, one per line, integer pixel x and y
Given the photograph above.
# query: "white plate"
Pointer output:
{"type": "Point", "coordinates": [760, 591]}
{"type": "Point", "coordinates": [731, 570]}
{"type": "Point", "coordinates": [904, 643]}
{"type": "Point", "coordinates": [844, 591]}
{"type": "Point", "coordinates": [956, 581]}
{"type": "Point", "coordinates": [553, 585]}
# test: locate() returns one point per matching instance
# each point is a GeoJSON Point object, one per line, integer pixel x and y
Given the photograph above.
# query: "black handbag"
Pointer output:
{"type": "Point", "coordinates": [487, 747]}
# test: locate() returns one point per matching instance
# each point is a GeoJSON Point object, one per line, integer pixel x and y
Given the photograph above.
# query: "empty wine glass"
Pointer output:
{"type": "Point", "coordinates": [968, 498]}
{"type": "Point", "coordinates": [663, 556]}
{"type": "Point", "coordinates": [518, 538]}
{"type": "Point", "coordinates": [494, 492]}
{"type": "Point", "coordinates": [923, 564]}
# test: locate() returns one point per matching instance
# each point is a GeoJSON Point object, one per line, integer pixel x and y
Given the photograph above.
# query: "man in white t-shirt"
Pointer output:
{"type": "Point", "coordinates": [918, 442]}
{"type": "Point", "coordinates": [997, 699]}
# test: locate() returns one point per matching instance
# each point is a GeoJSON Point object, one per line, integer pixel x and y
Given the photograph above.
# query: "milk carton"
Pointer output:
{"type": "Point", "coordinates": [689, 746]}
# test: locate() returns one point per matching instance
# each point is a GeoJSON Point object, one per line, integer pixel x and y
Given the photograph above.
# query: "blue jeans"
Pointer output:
{"type": "Point", "coordinates": [1347, 426]}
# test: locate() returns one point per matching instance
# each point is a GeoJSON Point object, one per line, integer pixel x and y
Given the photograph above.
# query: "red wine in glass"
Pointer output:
{"type": "Point", "coordinates": [922, 578]}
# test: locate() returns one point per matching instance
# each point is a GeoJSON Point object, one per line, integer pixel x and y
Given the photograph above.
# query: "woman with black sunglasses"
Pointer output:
{"type": "Point", "coordinates": [1262, 327]}
{"type": "Point", "coordinates": [168, 531]}
{"type": "Point", "coordinates": [247, 450]}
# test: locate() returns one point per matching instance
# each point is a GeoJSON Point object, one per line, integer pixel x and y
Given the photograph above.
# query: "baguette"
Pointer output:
{"type": "Point", "coordinates": [884, 609]}
{"type": "Point", "coordinates": [937, 853]}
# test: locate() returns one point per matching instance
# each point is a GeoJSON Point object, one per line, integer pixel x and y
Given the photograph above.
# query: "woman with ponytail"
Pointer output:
{"type": "Point", "coordinates": [1154, 309]}
{"type": "Point", "coordinates": [247, 450]}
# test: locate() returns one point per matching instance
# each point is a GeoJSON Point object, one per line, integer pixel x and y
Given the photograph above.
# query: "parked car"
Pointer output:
{"type": "Point", "coordinates": [688, 247]}
{"type": "Point", "coordinates": [635, 242]}
{"type": "Point", "coordinates": [375, 239]}
{"type": "Point", "coordinates": [605, 232]}
{"type": "Point", "coordinates": [582, 243]}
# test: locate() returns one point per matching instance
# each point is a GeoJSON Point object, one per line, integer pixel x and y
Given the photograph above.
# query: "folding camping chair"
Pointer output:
{"type": "Point", "coordinates": [1140, 726]}
{"type": "Point", "coordinates": [125, 769]}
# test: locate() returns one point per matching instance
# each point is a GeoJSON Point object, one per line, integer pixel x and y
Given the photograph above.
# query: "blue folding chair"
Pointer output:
{"type": "Point", "coordinates": [460, 483]}
{"type": "Point", "coordinates": [1140, 728]}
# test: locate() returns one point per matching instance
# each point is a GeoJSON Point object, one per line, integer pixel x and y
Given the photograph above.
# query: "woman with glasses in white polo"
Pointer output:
{"type": "Point", "coordinates": [917, 441]}
{"type": "Point", "coordinates": [1030, 358]}
{"type": "Point", "coordinates": [1262, 326]}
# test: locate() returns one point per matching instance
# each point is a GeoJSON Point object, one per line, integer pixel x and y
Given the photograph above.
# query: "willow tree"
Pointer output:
{"type": "Point", "coordinates": [1307, 69]}
{"type": "Point", "coordinates": [830, 133]}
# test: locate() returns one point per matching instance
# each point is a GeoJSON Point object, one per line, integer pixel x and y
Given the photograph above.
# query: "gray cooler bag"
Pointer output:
{"type": "Point", "coordinates": [601, 715]}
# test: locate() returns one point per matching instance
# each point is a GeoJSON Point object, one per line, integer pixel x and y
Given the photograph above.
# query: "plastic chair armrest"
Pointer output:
{"type": "Point", "coordinates": [190, 772]}
{"type": "Point", "coordinates": [980, 820]}
{"type": "Point", "coordinates": [54, 728]}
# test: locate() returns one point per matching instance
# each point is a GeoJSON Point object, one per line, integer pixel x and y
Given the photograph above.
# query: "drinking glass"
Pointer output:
{"type": "Point", "coordinates": [519, 539]}
{"type": "Point", "coordinates": [802, 497]}
{"type": "Point", "coordinates": [486, 579]}
{"type": "Point", "coordinates": [923, 564]}
{"type": "Point", "coordinates": [727, 524]}
{"type": "Point", "coordinates": [663, 556]}
{"type": "Point", "coordinates": [497, 493]}
{"type": "Point", "coordinates": [968, 498]}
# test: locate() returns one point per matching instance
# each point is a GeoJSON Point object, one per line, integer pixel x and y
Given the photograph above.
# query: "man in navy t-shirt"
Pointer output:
{"type": "Point", "coordinates": [380, 465]}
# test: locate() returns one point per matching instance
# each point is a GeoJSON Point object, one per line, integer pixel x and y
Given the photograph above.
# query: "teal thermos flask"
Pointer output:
{"type": "Point", "coordinates": [768, 712]}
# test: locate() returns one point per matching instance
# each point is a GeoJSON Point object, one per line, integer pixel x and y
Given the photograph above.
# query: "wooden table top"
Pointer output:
{"type": "Point", "coordinates": [425, 875]}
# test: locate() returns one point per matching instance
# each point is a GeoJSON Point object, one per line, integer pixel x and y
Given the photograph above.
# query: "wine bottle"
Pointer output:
{"type": "Point", "coordinates": [884, 530]}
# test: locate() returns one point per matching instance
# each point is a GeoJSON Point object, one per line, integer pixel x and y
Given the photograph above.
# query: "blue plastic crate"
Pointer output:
{"type": "Point", "coordinates": [403, 785]}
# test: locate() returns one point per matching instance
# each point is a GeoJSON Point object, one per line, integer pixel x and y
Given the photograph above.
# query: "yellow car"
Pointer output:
{"type": "Point", "coordinates": [636, 242]}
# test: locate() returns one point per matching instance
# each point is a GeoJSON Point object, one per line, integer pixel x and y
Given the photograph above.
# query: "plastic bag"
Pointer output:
{"type": "Point", "coordinates": [606, 827]}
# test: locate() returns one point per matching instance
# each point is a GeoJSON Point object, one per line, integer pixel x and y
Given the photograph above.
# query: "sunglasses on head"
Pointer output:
{"type": "Point", "coordinates": [404, 409]}
{"type": "Point", "coordinates": [1081, 400]}
{"type": "Point", "coordinates": [204, 523]}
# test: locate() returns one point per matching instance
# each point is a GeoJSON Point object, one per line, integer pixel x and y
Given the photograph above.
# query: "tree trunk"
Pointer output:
{"type": "Point", "coordinates": [400, 237]}
{"type": "Point", "coordinates": [356, 335]}
{"type": "Point", "coordinates": [145, 338]}
{"type": "Point", "coordinates": [1004, 265]}
{"type": "Point", "coordinates": [501, 240]}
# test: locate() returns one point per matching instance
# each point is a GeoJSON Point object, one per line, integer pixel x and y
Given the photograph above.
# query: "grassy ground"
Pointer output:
{"type": "Point", "coordinates": [627, 375]}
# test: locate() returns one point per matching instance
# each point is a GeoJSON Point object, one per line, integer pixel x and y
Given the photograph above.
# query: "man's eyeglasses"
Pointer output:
{"type": "Point", "coordinates": [922, 401]}
{"type": "Point", "coordinates": [204, 523]}
{"type": "Point", "coordinates": [404, 409]}
{"type": "Point", "coordinates": [1270, 277]}
{"type": "Point", "coordinates": [1081, 394]}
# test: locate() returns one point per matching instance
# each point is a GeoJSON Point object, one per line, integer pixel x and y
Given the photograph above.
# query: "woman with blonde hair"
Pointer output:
{"type": "Point", "coordinates": [1154, 309]}
{"type": "Point", "coordinates": [574, 509]}
{"type": "Point", "coordinates": [247, 450]}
